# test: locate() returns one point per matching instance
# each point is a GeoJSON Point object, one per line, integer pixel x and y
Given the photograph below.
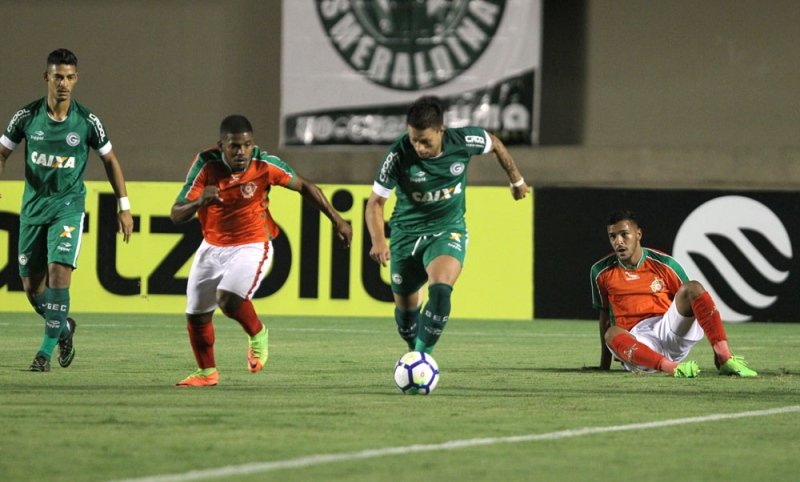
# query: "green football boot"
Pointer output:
{"type": "Point", "coordinates": [736, 366]}
{"type": "Point", "coordinates": [687, 369]}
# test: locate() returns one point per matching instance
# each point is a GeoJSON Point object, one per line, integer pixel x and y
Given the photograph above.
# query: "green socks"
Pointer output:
{"type": "Point", "coordinates": [55, 318]}
{"type": "Point", "coordinates": [39, 302]}
{"type": "Point", "coordinates": [434, 317]}
{"type": "Point", "coordinates": [407, 325]}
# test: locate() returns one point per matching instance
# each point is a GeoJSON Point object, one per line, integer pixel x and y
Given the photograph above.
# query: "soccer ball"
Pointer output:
{"type": "Point", "coordinates": [416, 373]}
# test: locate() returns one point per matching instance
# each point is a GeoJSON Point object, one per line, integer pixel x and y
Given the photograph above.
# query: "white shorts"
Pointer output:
{"type": "Point", "coordinates": [236, 269]}
{"type": "Point", "coordinates": [659, 334]}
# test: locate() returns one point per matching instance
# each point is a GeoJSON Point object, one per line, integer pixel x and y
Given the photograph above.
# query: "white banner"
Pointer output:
{"type": "Point", "coordinates": [350, 68]}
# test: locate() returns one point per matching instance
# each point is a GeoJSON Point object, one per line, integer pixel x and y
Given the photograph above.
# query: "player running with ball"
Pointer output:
{"type": "Point", "coordinates": [427, 168]}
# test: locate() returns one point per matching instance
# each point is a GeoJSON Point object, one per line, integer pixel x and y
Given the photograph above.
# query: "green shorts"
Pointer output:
{"type": "Point", "coordinates": [42, 244]}
{"type": "Point", "coordinates": [411, 254]}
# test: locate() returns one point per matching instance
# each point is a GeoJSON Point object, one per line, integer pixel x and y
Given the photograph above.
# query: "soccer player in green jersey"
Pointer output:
{"type": "Point", "coordinates": [58, 132]}
{"type": "Point", "coordinates": [427, 168]}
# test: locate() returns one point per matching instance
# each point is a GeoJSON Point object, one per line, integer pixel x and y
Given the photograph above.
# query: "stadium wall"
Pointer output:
{"type": "Point", "coordinates": [657, 95]}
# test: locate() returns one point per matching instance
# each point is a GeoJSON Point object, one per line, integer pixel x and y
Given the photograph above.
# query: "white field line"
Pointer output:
{"type": "Point", "coordinates": [320, 459]}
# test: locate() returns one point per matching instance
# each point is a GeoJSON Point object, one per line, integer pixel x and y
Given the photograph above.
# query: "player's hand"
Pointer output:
{"type": "Point", "coordinates": [344, 232]}
{"type": "Point", "coordinates": [380, 253]}
{"type": "Point", "coordinates": [519, 192]}
{"type": "Point", "coordinates": [125, 225]}
{"type": "Point", "coordinates": [210, 196]}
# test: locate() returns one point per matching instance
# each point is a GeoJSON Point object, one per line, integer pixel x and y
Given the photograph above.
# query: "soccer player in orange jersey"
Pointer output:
{"type": "Point", "coordinates": [651, 314]}
{"type": "Point", "coordinates": [228, 188]}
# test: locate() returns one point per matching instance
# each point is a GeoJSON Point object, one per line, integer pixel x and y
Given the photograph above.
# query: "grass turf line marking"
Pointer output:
{"type": "Point", "coordinates": [312, 460]}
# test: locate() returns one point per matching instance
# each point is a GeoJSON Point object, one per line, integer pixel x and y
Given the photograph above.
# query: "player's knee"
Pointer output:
{"type": "Point", "coordinates": [691, 290]}
{"type": "Point", "coordinates": [612, 333]}
{"type": "Point", "coordinates": [228, 302]}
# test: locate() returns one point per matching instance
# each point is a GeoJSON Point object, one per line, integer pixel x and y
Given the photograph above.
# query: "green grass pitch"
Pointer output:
{"type": "Point", "coordinates": [326, 408]}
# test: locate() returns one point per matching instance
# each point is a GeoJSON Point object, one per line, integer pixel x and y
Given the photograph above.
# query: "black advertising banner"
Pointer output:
{"type": "Point", "coordinates": [740, 245]}
{"type": "Point", "coordinates": [350, 69]}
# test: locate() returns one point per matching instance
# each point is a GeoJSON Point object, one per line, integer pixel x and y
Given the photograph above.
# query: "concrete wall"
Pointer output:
{"type": "Point", "coordinates": [649, 94]}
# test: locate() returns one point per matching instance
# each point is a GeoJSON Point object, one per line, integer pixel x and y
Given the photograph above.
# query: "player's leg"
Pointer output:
{"type": "Point", "coordinates": [64, 238]}
{"type": "Point", "coordinates": [55, 315]}
{"type": "Point", "coordinates": [443, 272]}
{"type": "Point", "coordinates": [406, 315]}
{"type": "Point", "coordinates": [636, 354]}
{"type": "Point", "coordinates": [32, 250]}
{"type": "Point", "coordinates": [245, 268]}
{"type": "Point", "coordinates": [443, 259]}
{"type": "Point", "coordinates": [201, 287]}
{"type": "Point", "coordinates": [407, 276]}
{"type": "Point", "coordinates": [201, 338]}
{"type": "Point", "coordinates": [692, 300]}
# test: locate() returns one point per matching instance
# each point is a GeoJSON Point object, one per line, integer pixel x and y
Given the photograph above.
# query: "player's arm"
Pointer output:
{"type": "Point", "coordinates": [313, 194]}
{"type": "Point", "coordinates": [376, 225]}
{"type": "Point", "coordinates": [519, 189]}
{"type": "Point", "coordinates": [4, 153]}
{"type": "Point", "coordinates": [117, 180]}
{"type": "Point", "coordinates": [605, 353]}
{"type": "Point", "coordinates": [184, 211]}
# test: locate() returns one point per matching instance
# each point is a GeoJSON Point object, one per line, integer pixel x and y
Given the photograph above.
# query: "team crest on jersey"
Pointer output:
{"type": "Point", "coordinates": [657, 286]}
{"type": "Point", "coordinates": [73, 139]}
{"type": "Point", "coordinates": [249, 189]}
{"type": "Point", "coordinates": [411, 45]}
{"type": "Point", "coordinates": [457, 168]}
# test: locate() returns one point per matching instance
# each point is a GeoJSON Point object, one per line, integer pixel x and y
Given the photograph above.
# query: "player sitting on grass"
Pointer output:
{"type": "Point", "coordinates": [651, 314]}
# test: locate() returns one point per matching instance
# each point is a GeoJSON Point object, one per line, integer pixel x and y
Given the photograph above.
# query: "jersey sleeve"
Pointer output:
{"type": "Point", "coordinates": [387, 176]}
{"type": "Point", "coordinates": [476, 139]}
{"type": "Point", "coordinates": [15, 132]}
{"type": "Point", "coordinates": [98, 139]}
{"type": "Point", "coordinates": [195, 181]}
{"type": "Point", "coordinates": [599, 291]}
{"type": "Point", "coordinates": [280, 173]}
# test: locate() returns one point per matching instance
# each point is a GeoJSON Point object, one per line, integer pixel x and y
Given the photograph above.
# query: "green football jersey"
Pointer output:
{"type": "Point", "coordinates": [55, 158]}
{"type": "Point", "coordinates": [430, 192]}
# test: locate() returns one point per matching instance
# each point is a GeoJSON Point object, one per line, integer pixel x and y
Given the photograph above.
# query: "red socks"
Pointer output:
{"type": "Point", "coordinates": [247, 317]}
{"type": "Point", "coordinates": [202, 339]}
{"type": "Point", "coordinates": [628, 349]}
{"type": "Point", "coordinates": [708, 317]}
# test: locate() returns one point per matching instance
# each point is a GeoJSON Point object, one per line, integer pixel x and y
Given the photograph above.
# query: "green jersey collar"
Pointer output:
{"type": "Point", "coordinates": [637, 264]}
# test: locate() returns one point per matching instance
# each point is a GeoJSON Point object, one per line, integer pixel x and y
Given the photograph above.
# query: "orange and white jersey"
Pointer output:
{"type": "Point", "coordinates": [631, 294]}
{"type": "Point", "coordinates": [243, 217]}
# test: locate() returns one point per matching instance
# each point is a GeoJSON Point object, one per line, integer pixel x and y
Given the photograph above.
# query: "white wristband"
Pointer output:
{"type": "Point", "coordinates": [518, 183]}
{"type": "Point", "coordinates": [124, 204]}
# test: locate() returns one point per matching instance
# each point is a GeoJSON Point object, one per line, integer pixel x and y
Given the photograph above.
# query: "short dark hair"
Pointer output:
{"type": "Point", "coordinates": [622, 215]}
{"type": "Point", "coordinates": [62, 57]}
{"type": "Point", "coordinates": [426, 112]}
{"type": "Point", "coordinates": [234, 124]}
